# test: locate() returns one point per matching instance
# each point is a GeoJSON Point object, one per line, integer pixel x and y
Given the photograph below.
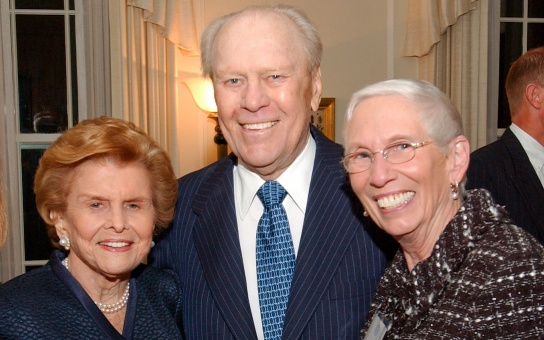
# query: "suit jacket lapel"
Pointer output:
{"type": "Point", "coordinates": [525, 178]}
{"type": "Point", "coordinates": [218, 247]}
{"type": "Point", "coordinates": [322, 245]}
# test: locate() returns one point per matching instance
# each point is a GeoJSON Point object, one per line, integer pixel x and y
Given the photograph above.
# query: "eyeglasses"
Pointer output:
{"type": "Point", "coordinates": [394, 153]}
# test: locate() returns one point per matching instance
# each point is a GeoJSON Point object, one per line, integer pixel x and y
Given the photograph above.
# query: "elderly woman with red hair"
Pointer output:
{"type": "Point", "coordinates": [104, 188]}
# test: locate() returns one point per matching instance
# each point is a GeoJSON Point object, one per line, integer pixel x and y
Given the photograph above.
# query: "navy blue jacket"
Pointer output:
{"type": "Point", "coordinates": [337, 269]}
{"type": "Point", "coordinates": [48, 303]}
{"type": "Point", "coordinates": [504, 169]}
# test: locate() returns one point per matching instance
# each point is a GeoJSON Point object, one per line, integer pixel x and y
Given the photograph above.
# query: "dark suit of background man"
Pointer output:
{"type": "Point", "coordinates": [266, 74]}
{"type": "Point", "coordinates": [511, 168]}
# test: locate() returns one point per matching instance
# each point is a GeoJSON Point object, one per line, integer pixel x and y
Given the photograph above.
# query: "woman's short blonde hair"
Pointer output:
{"type": "Point", "coordinates": [438, 115]}
{"type": "Point", "coordinates": [100, 139]}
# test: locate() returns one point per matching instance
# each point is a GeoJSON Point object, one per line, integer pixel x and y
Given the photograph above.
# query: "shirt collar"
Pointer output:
{"type": "Point", "coordinates": [534, 150]}
{"type": "Point", "coordinates": [295, 179]}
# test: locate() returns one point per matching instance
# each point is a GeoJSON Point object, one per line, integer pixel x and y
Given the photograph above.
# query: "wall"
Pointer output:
{"type": "Point", "coordinates": [362, 42]}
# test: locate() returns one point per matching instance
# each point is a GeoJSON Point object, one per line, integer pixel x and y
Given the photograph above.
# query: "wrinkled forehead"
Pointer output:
{"type": "Point", "coordinates": [260, 26]}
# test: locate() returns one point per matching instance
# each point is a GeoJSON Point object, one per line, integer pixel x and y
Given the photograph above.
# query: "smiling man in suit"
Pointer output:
{"type": "Point", "coordinates": [512, 168]}
{"type": "Point", "coordinates": [265, 66]}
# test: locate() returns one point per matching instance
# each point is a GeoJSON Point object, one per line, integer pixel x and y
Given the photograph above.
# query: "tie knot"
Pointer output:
{"type": "Point", "coordinates": [271, 192]}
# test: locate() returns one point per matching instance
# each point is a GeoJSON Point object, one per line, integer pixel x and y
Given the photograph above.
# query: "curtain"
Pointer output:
{"type": "Point", "coordinates": [175, 20]}
{"type": "Point", "coordinates": [95, 93]}
{"type": "Point", "coordinates": [145, 37]}
{"type": "Point", "coordinates": [449, 38]}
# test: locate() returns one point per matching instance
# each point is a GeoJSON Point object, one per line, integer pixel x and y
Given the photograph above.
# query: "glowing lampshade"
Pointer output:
{"type": "Point", "coordinates": [202, 91]}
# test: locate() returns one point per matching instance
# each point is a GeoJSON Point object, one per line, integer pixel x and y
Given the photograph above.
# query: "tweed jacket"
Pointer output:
{"type": "Point", "coordinates": [337, 269]}
{"type": "Point", "coordinates": [48, 303]}
{"type": "Point", "coordinates": [483, 280]}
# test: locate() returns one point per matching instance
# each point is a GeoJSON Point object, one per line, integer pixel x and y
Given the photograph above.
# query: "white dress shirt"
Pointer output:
{"type": "Point", "coordinates": [296, 181]}
{"type": "Point", "coordinates": [533, 148]}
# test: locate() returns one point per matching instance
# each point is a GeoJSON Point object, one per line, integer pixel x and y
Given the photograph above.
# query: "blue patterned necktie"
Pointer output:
{"type": "Point", "coordinates": [275, 259]}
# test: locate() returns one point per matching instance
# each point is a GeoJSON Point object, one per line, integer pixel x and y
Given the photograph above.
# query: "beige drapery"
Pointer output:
{"type": "Point", "coordinates": [175, 20]}
{"type": "Point", "coordinates": [145, 37]}
{"type": "Point", "coordinates": [450, 39]}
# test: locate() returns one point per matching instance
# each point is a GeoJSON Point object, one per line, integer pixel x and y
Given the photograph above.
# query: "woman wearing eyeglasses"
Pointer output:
{"type": "Point", "coordinates": [463, 271]}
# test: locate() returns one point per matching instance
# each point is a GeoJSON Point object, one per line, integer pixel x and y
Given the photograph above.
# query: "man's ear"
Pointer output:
{"type": "Point", "coordinates": [534, 95]}
{"type": "Point", "coordinates": [460, 156]}
{"type": "Point", "coordinates": [317, 88]}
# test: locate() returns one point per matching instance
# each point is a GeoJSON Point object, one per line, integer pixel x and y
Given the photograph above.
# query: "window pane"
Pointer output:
{"type": "Point", "coordinates": [29, 268]}
{"type": "Point", "coordinates": [71, 5]}
{"type": "Point", "coordinates": [535, 35]}
{"type": "Point", "coordinates": [511, 48]}
{"type": "Point", "coordinates": [39, 4]}
{"type": "Point", "coordinates": [512, 8]}
{"type": "Point", "coordinates": [73, 58]}
{"type": "Point", "coordinates": [536, 9]}
{"type": "Point", "coordinates": [41, 61]}
{"type": "Point", "coordinates": [37, 245]}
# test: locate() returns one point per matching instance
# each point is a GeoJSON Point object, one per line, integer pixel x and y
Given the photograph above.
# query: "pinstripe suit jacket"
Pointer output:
{"type": "Point", "coordinates": [504, 169]}
{"type": "Point", "coordinates": [336, 273]}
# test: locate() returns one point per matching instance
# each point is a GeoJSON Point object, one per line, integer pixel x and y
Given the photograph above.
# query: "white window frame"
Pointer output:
{"type": "Point", "coordinates": [493, 71]}
{"type": "Point", "coordinates": [94, 99]}
{"type": "Point", "coordinates": [495, 21]}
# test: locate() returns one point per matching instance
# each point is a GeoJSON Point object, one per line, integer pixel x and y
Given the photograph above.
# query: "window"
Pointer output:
{"type": "Point", "coordinates": [40, 68]}
{"type": "Point", "coordinates": [516, 26]}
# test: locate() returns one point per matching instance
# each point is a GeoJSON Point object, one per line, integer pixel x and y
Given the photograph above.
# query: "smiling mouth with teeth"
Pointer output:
{"type": "Point", "coordinates": [259, 126]}
{"type": "Point", "coordinates": [393, 201]}
{"type": "Point", "coordinates": [115, 244]}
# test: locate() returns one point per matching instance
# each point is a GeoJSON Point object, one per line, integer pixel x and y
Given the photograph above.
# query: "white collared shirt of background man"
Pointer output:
{"type": "Point", "coordinates": [533, 148]}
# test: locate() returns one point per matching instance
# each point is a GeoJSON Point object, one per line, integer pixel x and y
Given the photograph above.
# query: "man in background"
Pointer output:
{"type": "Point", "coordinates": [265, 66]}
{"type": "Point", "coordinates": [511, 168]}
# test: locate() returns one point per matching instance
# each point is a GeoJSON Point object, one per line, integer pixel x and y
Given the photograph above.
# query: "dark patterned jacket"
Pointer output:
{"type": "Point", "coordinates": [48, 303]}
{"type": "Point", "coordinates": [483, 280]}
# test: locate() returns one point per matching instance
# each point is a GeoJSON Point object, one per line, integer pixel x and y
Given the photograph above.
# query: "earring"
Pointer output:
{"type": "Point", "coordinates": [152, 244]}
{"type": "Point", "coordinates": [64, 242]}
{"type": "Point", "coordinates": [455, 190]}
{"type": "Point", "coordinates": [365, 214]}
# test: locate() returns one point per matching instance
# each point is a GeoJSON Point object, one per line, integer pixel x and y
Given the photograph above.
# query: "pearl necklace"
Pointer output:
{"type": "Point", "coordinates": [108, 307]}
